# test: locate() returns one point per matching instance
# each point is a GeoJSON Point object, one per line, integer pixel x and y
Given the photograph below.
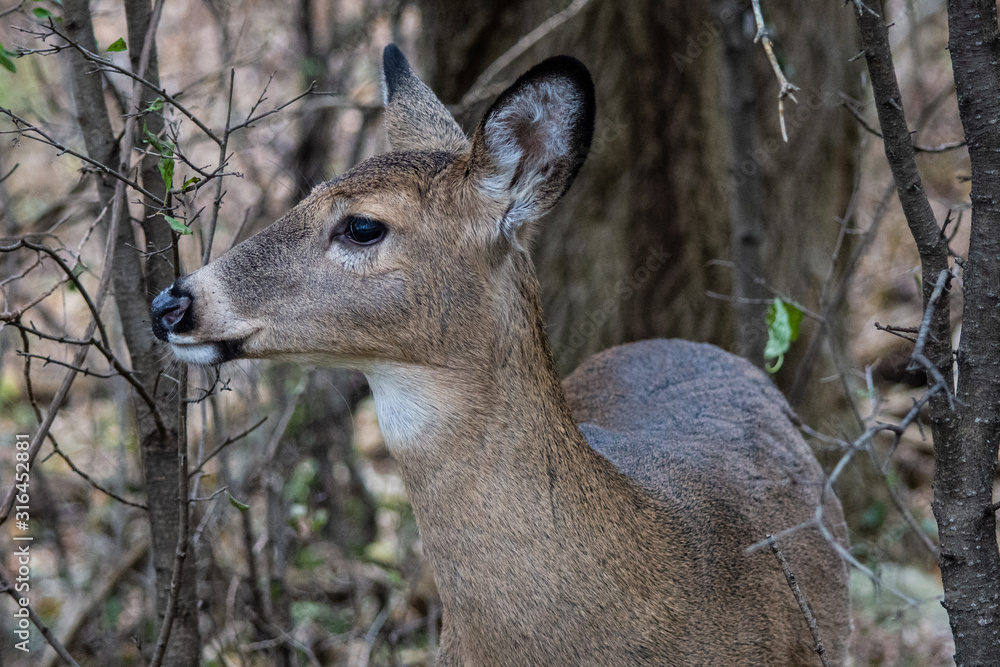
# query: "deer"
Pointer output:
{"type": "Point", "coordinates": [603, 519]}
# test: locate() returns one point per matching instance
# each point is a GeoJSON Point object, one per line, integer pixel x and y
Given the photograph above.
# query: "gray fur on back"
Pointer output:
{"type": "Point", "coordinates": [709, 436]}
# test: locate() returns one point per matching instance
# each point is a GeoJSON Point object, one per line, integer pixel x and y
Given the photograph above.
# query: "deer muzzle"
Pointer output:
{"type": "Point", "coordinates": [170, 312]}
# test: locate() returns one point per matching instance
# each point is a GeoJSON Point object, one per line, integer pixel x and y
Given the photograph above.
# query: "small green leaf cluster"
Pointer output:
{"type": "Point", "coordinates": [783, 323]}
{"type": "Point", "coordinates": [165, 148]}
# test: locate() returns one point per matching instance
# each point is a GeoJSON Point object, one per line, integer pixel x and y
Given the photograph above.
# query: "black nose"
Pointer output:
{"type": "Point", "coordinates": [171, 312]}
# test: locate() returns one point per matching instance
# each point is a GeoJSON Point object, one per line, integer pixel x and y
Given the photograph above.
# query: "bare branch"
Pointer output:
{"type": "Point", "coordinates": [36, 133]}
{"type": "Point", "coordinates": [925, 326]}
{"type": "Point", "coordinates": [942, 148]}
{"type": "Point", "coordinates": [479, 91]}
{"type": "Point", "coordinates": [253, 119]}
{"type": "Point", "coordinates": [11, 10]}
{"type": "Point", "coordinates": [785, 89]}
{"type": "Point", "coordinates": [12, 170]}
{"type": "Point", "coordinates": [801, 600]}
{"type": "Point", "coordinates": [108, 65]}
{"type": "Point", "coordinates": [898, 331]}
{"type": "Point", "coordinates": [5, 587]}
{"type": "Point", "coordinates": [206, 252]}
{"type": "Point", "coordinates": [225, 443]}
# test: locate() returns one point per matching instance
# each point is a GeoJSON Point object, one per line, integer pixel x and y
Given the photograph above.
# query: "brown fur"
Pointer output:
{"type": "Point", "coordinates": [599, 521]}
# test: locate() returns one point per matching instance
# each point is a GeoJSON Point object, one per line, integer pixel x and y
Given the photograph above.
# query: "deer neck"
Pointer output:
{"type": "Point", "coordinates": [497, 406]}
{"type": "Point", "coordinates": [494, 403]}
{"type": "Point", "coordinates": [502, 482]}
{"type": "Point", "coordinates": [473, 423]}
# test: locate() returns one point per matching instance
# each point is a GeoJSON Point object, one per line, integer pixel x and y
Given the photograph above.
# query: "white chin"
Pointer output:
{"type": "Point", "coordinates": [203, 354]}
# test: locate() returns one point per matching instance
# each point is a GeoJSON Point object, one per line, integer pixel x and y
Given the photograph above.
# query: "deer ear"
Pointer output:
{"type": "Point", "coordinates": [415, 118]}
{"type": "Point", "coordinates": [532, 142]}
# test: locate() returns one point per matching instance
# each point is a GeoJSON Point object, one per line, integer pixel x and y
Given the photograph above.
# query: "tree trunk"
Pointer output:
{"type": "Point", "coordinates": [628, 255]}
{"type": "Point", "coordinates": [133, 292]}
{"type": "Point", "coordinates": [966, 461]}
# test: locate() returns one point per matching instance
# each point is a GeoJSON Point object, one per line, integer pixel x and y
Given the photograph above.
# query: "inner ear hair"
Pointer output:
{"type": "Point", "coordinates": [533, 140]}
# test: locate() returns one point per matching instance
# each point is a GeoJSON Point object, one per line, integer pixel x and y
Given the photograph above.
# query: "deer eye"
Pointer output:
{"type": "Point", "coordinates": [363, 231]}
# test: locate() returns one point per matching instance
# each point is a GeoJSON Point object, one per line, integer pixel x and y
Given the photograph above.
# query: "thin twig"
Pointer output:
{"type": "Point", "coordinates": [251, 119]}
{"type": "Point", "coordinates": [785, 89]}
{"type": "Point", "coordinates": [758, 280]}
{"type": "Point", "coordinates": [65, 364]}
{"type": "Point", "coordinates": [225, 443]}
{"type": "Point", "coordinates": [206, 252]}
{"type": "Point", "coordinates": [12, 169]}
{"type": "Point", "coordinates": [24, 127]}
{"type": "Point", "coordinates": [801, 600]}
{"type": "Point", "coordinates": [925, 325]}
{"type": "Point", "coordinates": [898, 331]}
{"type": "Point", "coordinates": [106, 64]}
{"type": "Point", "coordinates": [5, 587]}
{"type": "Point", "coordinates": [942, 148]}
{"type": "Point", "coordinates": [476, 92]}
{"type": "Point", "coordinates": [15, 8]}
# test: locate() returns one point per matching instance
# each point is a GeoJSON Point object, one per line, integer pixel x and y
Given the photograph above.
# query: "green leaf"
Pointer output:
{"type": "Point", "coordinates": [166, 151]}
{"type": "Point", "coordinates": [156, 104]}
{"type": "Point", "coordinates": [166, 166]}
{"type": "Point", "coordinates": [152, 139]}
{"type": "Point", "coordinates": [42, 13]}
{"type": "Point", "coordinates": [163, 147]}
{"type": "Point", "coordinates": [237, 504]}
{"type": "Point", "coordinates": [116, 46]}
{"type": "Point", "coordinates": [5, 60]}
{"type": "Point", "coordinates": [783, 323]}
{"type": "Point", "coordinates": [190, 183]}
{"type": "Point", "coordinates": [177, 225]}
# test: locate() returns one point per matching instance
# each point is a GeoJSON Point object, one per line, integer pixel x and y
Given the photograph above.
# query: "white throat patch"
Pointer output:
{"type": "Point", "coordinates": [414, 404]}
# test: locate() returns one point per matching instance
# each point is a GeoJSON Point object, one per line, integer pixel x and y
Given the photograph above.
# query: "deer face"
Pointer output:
{"type": "Point", "coordinates": [410, 256]}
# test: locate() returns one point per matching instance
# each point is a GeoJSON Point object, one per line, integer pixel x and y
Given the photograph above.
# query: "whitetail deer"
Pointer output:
{"type": "Point", "coordinates": [598, 521]}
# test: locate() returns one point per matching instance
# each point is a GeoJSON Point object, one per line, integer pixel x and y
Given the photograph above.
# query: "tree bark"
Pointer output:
{"type": "Point", "coordinates": [747, 213]}
{"type": "Point", "coordinates": [966, 462]}
{"type": "Point", "coordinates": [132, 291]}
{"type": "Point", "coordinates": [965, 434]}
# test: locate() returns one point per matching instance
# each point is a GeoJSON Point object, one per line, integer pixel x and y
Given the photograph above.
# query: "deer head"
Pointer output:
{"type": "Point", "coordinates": [412, 257]}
